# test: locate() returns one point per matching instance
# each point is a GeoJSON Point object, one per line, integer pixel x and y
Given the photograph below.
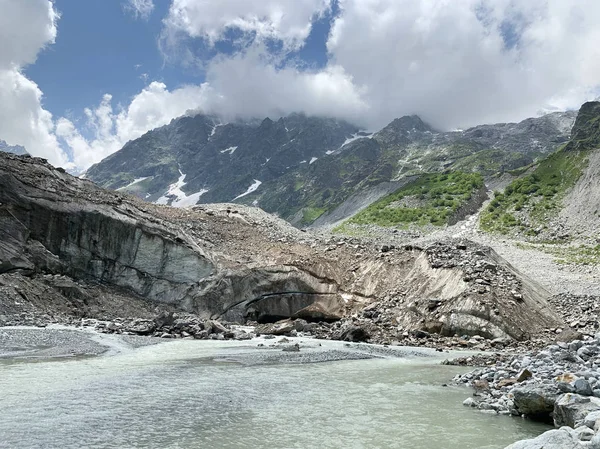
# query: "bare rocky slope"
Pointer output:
{"type": "Point", "coordinates": [69, 247]}
{"type": "Point", "coordinates": [581, 212]}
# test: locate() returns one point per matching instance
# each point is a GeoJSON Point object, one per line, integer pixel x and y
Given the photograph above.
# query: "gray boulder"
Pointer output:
{"type": "Point", "coordinates": [164, 319]}
{"type": "Point", "coordinates": [141, 327]}
{"type": "Point", "coordinates": [354, 333]}
{"type": "Point", "coordinates": [535, 401]}
{"type": "Point", "coordinates": [217, 328]}
{"type": "Point", "coordinates": [595, 442]}
{"type": "Point", "coordinates": [572, 409]}
{"type": "Point", "coordinates": [583, 433]}
{"type": "Point", "coordinates": [583, 387]}
{"type": "Point", "coordinates": [553, 439]}
{"type": "Point", "coordinates": [280, 328]}
{"type": "Point", "coordinates": [591, 419]}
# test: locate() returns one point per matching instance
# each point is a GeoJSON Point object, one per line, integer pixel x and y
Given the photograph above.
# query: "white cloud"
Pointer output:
{"type": "Point", "coordinates": [22, 119]}
{"type": "Point", "coordinates": [154, 106]}
{"type": "Point", "coordinates": [449, 60]}
{"type": "Point", "coordinates": [26, 27]}
{"type": "Point", "coordinates": [247, 85]}
{"type": "Point", "coordinates": [140, 8]}
{"type": "Point", "coordinates": [456, 63]}
{"type": "Point", "coordinates": [288, 21]}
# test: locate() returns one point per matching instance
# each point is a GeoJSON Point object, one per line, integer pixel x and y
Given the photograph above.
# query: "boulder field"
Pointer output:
{"type": "Point", "coordinates": [559, 384]}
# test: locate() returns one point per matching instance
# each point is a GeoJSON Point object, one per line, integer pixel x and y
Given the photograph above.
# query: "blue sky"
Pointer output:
{"type": "Point", "coordinates": [75, 88]}
{"type": "Point", "coordinates": [102, 47]}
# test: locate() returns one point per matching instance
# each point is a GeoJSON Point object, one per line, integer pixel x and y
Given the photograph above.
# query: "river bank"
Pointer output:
{"type": "Point", "coordinates": [61, 342]}
{"type": "Point", "coordinates": [559, 384]}
{"type": "Point", "coordinates": [370, 326]}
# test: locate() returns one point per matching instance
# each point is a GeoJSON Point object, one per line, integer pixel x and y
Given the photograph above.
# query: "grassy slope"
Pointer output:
{"type": "Point", "coordinates": [528, 203]}
{"type": "Point", "coordinates": [540, 194]}
{"type": "Point", "coordinates": [431, 199]}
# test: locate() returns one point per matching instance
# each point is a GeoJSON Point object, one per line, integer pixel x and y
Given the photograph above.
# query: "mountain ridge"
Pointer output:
{"type": "Point", "coordinates": [301, 167]}
{"type": "Point", "coordinates": [14, 149]}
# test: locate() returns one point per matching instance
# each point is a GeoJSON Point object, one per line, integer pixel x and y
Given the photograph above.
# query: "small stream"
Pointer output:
{"type": "Point", "coordinates": [208, 394]}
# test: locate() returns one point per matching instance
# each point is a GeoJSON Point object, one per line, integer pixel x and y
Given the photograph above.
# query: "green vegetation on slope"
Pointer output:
{"type": "Point", "coordinates": [491, 161]}
{"type": "Point", "coordinates": [310, 214]}
{"type": "Point", "coordinates": [431, 199]}
{"type": "Point", "coordinates": [530, 200]}
{"type": "Point", "coordinates": [528, 203]}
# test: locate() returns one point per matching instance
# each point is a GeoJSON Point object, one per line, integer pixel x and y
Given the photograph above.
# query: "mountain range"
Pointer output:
{"type": "Point", "coordinates": [14, 149]}
{"type": "Point", "coordinates": [304, 168]}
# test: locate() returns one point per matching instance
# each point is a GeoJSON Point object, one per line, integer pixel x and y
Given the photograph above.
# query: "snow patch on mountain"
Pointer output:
{"type": "Point", "coordinates": [135, 181]}
{"type": "Point", "coordinates": [360, 135]}
{"type": "Point", "coordinates": [214, 130]}
{"type": "Point", "coordinates": [177, 196]}
{"type": "Point", "coordinates": [229, 150]}
{"type": "Point", "coordinates": [312, 159]}
{"type": "Point", "coordinates": [251, 189]}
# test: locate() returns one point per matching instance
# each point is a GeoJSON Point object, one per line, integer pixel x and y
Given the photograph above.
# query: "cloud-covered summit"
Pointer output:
{"type": "Point", "coordinates": [455, 63]}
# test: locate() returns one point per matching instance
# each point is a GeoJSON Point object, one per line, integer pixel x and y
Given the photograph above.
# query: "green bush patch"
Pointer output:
{"type": "Point", "coordinates": [431, 199]}
{"type": "Point", "coordinates": [540, 194]}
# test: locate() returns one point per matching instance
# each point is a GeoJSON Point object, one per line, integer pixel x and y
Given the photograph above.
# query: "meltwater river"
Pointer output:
{"type": "Point", "coordinates": [208, 394]}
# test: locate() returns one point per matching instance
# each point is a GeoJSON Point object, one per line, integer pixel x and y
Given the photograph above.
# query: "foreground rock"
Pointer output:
{"type": "Point", "coordinates": [553, 439]}
{"type": "Point", "coordinates": [559, 384]}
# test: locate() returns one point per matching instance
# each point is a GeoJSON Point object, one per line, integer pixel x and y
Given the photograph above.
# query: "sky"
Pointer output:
{"type": "Point", "coordinates": [80, 78]}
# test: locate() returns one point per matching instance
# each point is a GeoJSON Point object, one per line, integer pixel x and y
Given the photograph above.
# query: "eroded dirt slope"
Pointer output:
{"type": "Point", "coordinates": [240, 263]}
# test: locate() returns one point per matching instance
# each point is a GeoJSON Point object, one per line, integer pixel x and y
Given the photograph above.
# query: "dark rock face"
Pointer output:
{"type": "Point", "coordinates": [536, 402]}
{"type": "Point", "coordinates": [586, 130]}
{"type": "Point", "coordinates": [223, 159]}
{"type": "Point", "coordinates": [354, 333]}
{"type": "Point", "coordinates": [92, 241]}
{"type": "Point", "coordinates": [54, 223]}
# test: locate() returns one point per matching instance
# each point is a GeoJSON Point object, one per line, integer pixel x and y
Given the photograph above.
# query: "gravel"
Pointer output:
{"type": "Point", "coordinates": [59, 342]}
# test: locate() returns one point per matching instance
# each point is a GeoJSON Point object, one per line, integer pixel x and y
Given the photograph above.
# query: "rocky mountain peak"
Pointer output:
{"type": "Point", "coordinates": [403, 130]}
{"type": "Point", "coordinates": [585, 134]}
{"type": "Point", "coordinates": [267, 123]}
{"type": "Point", "coordinates": [409, 123]}
{"type": "Point", "coordinates": [15, 149]}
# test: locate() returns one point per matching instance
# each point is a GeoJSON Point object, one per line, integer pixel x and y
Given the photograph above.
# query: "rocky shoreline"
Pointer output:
{"type": "Point", "coordinates": [174, 325]}
{"type": "Point", "coordinates": [374, 324]}
{"type": "Point", "coordinates": [558, 384]}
